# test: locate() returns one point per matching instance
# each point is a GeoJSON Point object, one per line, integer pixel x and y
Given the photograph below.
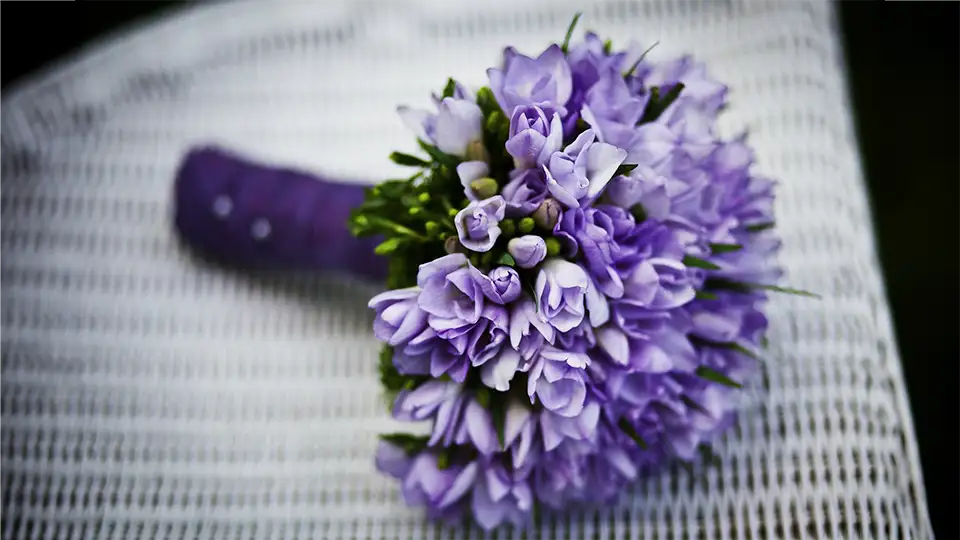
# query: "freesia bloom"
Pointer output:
{"type": "Point", "coordinates": [478, 223]}
{"type": "Point", "coordinates": [545, 80]}
{"type": "Point", "coordinates": [558, 376]}
{"type": "Point", "coordinates": [561, 287]}
{"type": "Point", "coordinates": [528, 250]}
{"type": "Point", "coordinates": [398, 317]}
{"type": "Point", "coordinates": [579, 173]}
{"type": "Point", "coordinates": [457, 123]}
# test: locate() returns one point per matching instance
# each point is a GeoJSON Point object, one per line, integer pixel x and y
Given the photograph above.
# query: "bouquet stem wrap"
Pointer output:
{"type": "Point", "coordinates": [253, 216]}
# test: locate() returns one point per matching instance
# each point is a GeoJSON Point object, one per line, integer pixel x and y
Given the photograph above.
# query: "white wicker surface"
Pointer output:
{"type": "Point", "coordinates": [147, 396]}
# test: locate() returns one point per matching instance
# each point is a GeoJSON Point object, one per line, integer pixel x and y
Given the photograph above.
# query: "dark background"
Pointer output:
{"type": "Point", "coordinates": [903, 66]}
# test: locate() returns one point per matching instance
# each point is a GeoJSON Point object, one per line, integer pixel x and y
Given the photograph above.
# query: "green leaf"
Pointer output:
{"type": "Point", "coordinates": [658, 103]}
{"type": "Point", "coordinates": [696, 262]}
{"type": "Point", "coordinates": [407, 160]}
{"type": "Point", "coordinates": [784, 290]}
{"type": "Point", "coordinates": [607, 46]}
{"type": "Point", "coordinates": [742, 287]}
{"type": "Point", "coordinates": [760, 227]}
{"type": "Point", "coordinates": [704, 295]}
{"type": "Point", "coordinates": [624, 169]}
{"type": "Point", "coordinates": [410, 444]}
{"type": "Point", "coordinates": [636, 64]}
{"type": "Point", "coordinates": [725, 248]}
{"type": "Point", "coordinates": [708, 456]}
{"type": "Point", "coordinates": [566, 39]}
{"type": "Point", "coordinates": [715, 376]}
{"type": "Point", "coordinates": [439, 156]}
{"type": "Point", "coordinates": [389, 245]}
{"type": "Point", "coordinates": [450, 88]}
{"type": "Point", "coordinates": [387, 225]}
{"type": "Point", "coordinates": [631, 432]}
{"type": "Point", "coordinates": [394, 189]}
{"type": "Point", "coordinates": [487, 101]}
{"type": "Point", "coordinates": [732, 345]}
{"type": "Point", "coordinates": [638, 213]}
{"type": "Point", "coordinates": [507, 260]}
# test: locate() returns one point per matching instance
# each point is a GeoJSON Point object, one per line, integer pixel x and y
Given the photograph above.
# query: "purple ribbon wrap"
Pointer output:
{"type": "Point", "coordinates": [251, 216]}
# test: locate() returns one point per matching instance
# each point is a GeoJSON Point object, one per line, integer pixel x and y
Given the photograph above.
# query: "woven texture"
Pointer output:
{"type": "Point", "coordinates": [147, 395]}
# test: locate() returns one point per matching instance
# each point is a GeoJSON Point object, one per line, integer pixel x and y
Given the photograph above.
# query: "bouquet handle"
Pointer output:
{"type": "Point", "coordinates": [251, 216]}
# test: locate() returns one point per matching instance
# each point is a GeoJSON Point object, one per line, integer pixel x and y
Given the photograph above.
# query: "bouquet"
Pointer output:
{"type": "Point", "coordinates": [576, 271]}
{"type": "Point", "coordinates": [577, 275]}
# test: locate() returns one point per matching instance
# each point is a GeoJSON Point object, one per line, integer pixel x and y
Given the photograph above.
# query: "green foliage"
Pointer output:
{"type": "Point", "coordinates": [715, 376]}
{"type": "Point", "coordinates": [626, 427]}
{"type": "Point", "coordinates": [659, 103]}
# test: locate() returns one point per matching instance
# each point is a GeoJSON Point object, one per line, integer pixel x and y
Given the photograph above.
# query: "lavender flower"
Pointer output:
{"type": "Point", "coordinates": [469, 172]}
{"type": "Point", "coordinates": [558, 381]}
{"type": "Point", "coordinates": [579, 173]}
{"type": "Point", "coordinates": [528, 331]}
{"type": "Point", "coordinates": [561, 287]}
{"type": "Point", "coordinates": [534, 136]}
{"type": "Point", "coordinates": [506, 285]}
{"type": "Point", "coordinates": [398, 318]}
{"type": "Point", "coordinates": [612, 111]}
{"type": "Point", "coordinates": [593, 231]}
{"type": "Point", "coordinates": [525, 192]}
{"type": "Point", "coordinates": [528, 250]}
{"type": "Point", "coordinates": [477, 224]}
{"type": "Point", "coordinates": [625, 364]}
{"type": "Point", "coordinates": [545, 80]}
{"type": "Point", "coordinates": [498, 372]}
{"type": "Point", "coordinates": [502, 495]}
{"type": "Point", "coordinates": [457, 124]}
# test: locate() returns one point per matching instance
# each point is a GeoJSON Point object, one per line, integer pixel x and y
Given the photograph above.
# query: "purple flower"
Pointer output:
{"type": "Point", "coordinates": [506, 285]}
{"type": "Point", "coordinates": [525, 192]}
{"type": "Point", "coordinates": [498, 373]}
{"type": "Point", "coordinates": [477, 224]}
{"type": "Point", "coordinates": [393, 460]}
{"type": "Point", "coordinates": [612, 111]}
{"type": "Point", "coordinates": [579, 173]}
{"type": "Point", "coordinates": [527, 250]}
{"type": "Point", "coordinates": [699, 90]}
{"type": "Point", "coordinates": [534, 136]}
{"type": "Point", "coordinates": [528, 331]}
{"type": "Point", "coordinates": [501, 496]}
{"type": "Point", "coordinates": [457, 123]}
{"type": "Point", "coordinates": [398, 317]}
{"type": "Point", "coordinates": [644, 186]}
{"type": "Point", "coordinates": [425, 484]}
{"type": "Point", "coordinates": [556, 428]}
{"type": "Point", "coordinates": [477, 429]}
{"type": "Point", "coordinates": [589, 62]}
{"type": "Point", "coordinates": [520, 424]}
{"type": "Point", "coordinates": [544, 81]}
{"type": "Point", "coordinates": [423, 402]}
{"type": "Point", "coordinates": [650, 263]}
{"type": "Point", "coordinates": [433, 354]}
{"type": "Point", "coordinates": [593, 230]}
{"type": "Point", "coordinates": [558, 380]}
{"type": "Point", "coordinates": [561, 287]}
{"type": "Point", "coordinates": [468, 171]}
{"type": "Point", "coordinates": [451, 294]}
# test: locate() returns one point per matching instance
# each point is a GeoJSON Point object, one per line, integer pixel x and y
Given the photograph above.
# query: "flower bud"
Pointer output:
{"type": "Point", "coordinates": [553, 247]}
{"type": "Point", "coordinates": [526, 225]}
{"type": "Point", "coordinates": [506, 281]}
{"type": "Point", "coordinates": [484, 188]}
{"type": "Point", "coordinates": [547, 214]}
{"type": "Point", "coordinates": [452, 245]}
{"type": "Point", "coordinates": [528, 250]}
{"type": "Point", "coordinates": [477, 152]}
